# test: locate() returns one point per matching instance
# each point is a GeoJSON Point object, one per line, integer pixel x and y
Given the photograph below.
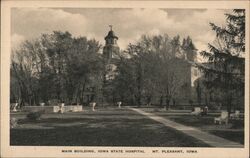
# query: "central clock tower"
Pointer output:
{"type": "Point", "coordinates": [111, 48]}
{"type": "Point", "coordinates": [110, 52]}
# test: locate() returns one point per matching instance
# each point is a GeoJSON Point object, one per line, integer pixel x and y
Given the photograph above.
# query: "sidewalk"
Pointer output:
{"type": "Point", "coordinates": [210, 139]}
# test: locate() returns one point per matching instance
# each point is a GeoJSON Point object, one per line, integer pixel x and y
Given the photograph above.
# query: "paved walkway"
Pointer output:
{"type": "Point", "coordinates": [210, 139]}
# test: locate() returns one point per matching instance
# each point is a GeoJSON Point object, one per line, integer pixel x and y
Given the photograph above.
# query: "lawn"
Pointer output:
{"type": "Point", "coordinates": [234, 131]}
{"type": "Point", "coordinates": [104, 127]}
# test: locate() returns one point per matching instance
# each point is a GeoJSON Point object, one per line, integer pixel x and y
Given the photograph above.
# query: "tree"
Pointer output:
{"type": "Point", "coordinates": [198, 91]}
{"type": "Point", "coordinates": [151, 70]}
{"type": "Point", "coordinates": [55, 66]}
{"type": "Point", "coordinates": [24, 69]}
{"type": "Point", "coordinates": [226, 57]}
{"type": "Point", "coordinates": [125, 82]}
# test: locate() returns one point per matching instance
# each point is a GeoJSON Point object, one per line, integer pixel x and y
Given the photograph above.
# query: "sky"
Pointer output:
{"type": "Point", "coordinates": [128, 24]}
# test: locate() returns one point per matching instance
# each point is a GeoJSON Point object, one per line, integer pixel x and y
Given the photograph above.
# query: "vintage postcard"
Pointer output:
{"type": "Point", "coordinates": [125, 79]}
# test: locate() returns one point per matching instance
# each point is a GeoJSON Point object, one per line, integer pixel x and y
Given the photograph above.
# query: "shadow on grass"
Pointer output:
{"type": "Point", "coordinates": [236, 136]}
{"type": "Point", "coordinates": [234, 131]}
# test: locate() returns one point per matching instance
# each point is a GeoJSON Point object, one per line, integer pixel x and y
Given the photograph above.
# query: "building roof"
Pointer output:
{"type": "Point", "coordinates": [111, 34]}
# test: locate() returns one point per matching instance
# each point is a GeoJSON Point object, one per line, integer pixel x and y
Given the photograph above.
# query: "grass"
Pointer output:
{"type": "Point", "coordinates": [236, 136]}
{"type": "Point", "coordinates": [234, 131]}
{"type": "Point", "coordinates": [195, 121]}
{"type": "Point", "coordinates": [100, 128]}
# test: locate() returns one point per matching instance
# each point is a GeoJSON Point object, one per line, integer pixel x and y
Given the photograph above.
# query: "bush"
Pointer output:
{"type": "Point", "coordinates": [35, 115]}
{"type": "Point", "coordinates": [53, 102]}
{"type": "Point", "coordinates": [13, 122]}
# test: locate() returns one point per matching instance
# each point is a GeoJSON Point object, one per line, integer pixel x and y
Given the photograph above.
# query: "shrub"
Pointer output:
{"type": "Point", "coordinates": [53, 102]}
{"type": "Point", "coordinates": [34, 115]}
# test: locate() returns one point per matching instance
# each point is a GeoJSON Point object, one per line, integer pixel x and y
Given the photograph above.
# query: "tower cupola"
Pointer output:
{"type": "Point", "coordinates": [111, 46]}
